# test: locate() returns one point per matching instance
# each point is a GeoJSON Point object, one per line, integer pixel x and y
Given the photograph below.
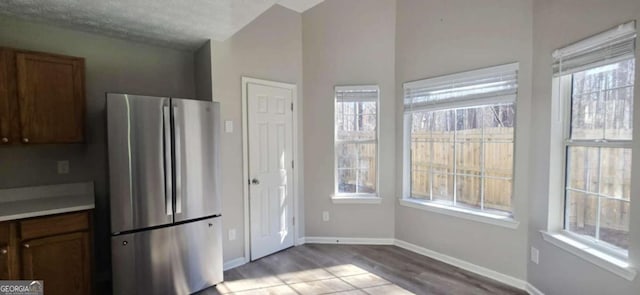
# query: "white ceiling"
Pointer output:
{"type": "Point", "coordinates": [184, 24]}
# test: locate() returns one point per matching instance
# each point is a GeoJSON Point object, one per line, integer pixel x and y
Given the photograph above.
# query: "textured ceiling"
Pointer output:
{"type": "Point", "coordinates": [184, 24]}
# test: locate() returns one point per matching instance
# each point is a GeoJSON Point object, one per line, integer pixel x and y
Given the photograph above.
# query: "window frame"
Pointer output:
{"type": "Point", "coordinates": [620, 43]}
{"type": "Point", "coordinates": [363, 198]}
{"type": "Point", "coordinates": [505, 220]}
{"type": "Point", "coordinates": [565, 93]}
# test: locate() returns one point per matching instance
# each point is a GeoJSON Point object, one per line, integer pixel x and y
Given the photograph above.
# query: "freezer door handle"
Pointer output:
{"type": "Point", "coordinates": [178, 157]}
{"type": "Point", "coordinates": [168, 202]}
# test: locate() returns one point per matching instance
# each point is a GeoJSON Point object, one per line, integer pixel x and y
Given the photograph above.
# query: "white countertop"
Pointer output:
{"type": "Point", "coordinates": [26, 202]}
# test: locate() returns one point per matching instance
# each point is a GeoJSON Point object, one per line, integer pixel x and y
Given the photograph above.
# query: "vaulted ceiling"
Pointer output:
{"type": "Point", "coordinates": [184, 24]}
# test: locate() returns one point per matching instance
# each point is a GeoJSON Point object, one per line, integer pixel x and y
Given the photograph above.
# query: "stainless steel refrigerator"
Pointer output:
{"type": "Point", "coordinates": [164, 194]}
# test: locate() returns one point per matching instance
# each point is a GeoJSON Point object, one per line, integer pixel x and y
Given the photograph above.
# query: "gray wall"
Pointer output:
{"type": "Point", "coordinates": [556, 24]}
{"type": "Point", "coordinates": [111, 65]}
{"type": "Point", "coordinates": [269, 48]}
{"type": "Point", "coordinates": [384, 42]}
{"type": "Point", "coordinates": [203, 72]}
{"type": "Point", "coordinates": [347, 43]}
{"type": "Point", "coordinates": [438, 37]}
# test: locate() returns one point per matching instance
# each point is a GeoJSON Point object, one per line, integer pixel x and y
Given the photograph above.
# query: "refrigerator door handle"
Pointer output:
{"type": "Point", "coordinates": [168, 201]}
{"type": "Point", "coordinates": [178, 158]}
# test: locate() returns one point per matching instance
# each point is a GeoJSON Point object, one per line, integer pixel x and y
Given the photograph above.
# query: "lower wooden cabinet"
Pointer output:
{"type": "Point", "coordinates": [4, 250]}
{"type": "Point", "coordinates": [61, 261]}
{"type": "Point", "coordinates": [55, 249]}
{"type": "Point", "coordinates": [4, 262]}
{"type": "Point", "coordinates": [9, 259]}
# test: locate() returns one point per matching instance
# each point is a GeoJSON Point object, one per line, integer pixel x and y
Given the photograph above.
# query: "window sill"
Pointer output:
{"type": "Point", "coordinates": [483, 217]}
{"type": "Point", "coordinates": [356, 199]}
{"type": "Point", "coordinates": [588, 253]}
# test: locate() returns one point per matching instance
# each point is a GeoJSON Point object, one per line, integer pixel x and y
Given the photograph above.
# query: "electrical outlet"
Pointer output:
{"type": "Point", "coordinates": [232, 234]}
{"type": "Point", "coordinates": [63, 167]}
{"type": "Point", "coordinates": [535, 255]}
{"type": "Point", "coordinates": [325, 215]}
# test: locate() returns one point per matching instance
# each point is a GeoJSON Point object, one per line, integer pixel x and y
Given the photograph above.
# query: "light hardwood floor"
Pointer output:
{"type": "Point", "coordinates": [353, 269]}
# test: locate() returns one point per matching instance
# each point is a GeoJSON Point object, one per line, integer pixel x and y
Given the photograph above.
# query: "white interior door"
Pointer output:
{"type": "Point", "coordinates": [270, 119]}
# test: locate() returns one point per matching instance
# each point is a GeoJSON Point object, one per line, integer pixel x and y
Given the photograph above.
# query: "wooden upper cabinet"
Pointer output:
{"type": "Point", "coordinates": [9, 114]}
{"type": "Point", "coordinates": [51, 97]}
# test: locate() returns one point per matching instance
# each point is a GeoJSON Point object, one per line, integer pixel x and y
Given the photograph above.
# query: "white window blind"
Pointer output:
{"type": "Point", "coordinates": [604, 48]}
{"type": "Point", "coordinates": [356, 93]}
{"type": "Point", "coordinates": [484, 86]}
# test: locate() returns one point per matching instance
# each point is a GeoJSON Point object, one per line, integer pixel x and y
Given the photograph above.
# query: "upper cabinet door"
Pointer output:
{"type": "Point", "coordinates": [51, 98]}
{"type": "Point", "coordinates": [9, 115]}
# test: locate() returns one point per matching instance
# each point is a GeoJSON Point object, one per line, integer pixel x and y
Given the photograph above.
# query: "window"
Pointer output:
{"type": "Point", "coordinates": [356, 140]}
{"type": "Point", "coordinates": [459, 140]}
{"type": "Point", "coordinates": [596, 83]}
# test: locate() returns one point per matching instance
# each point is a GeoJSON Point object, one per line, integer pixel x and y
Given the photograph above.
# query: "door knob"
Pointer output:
{"type": "Point", "coordinates": [255, 181]}
{"type": "Point", "coordinates": [25, 140]}
{"type": "Point", "coordinates": [5, 140]}
{"type": "Point", "coordinates": [26, 245]}
{"type": "Point", "coordinates": [4, 251]}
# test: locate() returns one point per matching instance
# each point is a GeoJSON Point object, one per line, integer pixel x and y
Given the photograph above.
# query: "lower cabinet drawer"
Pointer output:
{"type": "Point", "coordinates": [53, 225]}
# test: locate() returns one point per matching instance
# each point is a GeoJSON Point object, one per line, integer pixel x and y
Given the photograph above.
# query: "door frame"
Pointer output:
{"type": "Point", "coordinates": [245, 157]}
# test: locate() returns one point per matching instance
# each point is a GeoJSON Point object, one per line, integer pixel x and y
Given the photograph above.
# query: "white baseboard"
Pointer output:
{"type": "Point", "coordinates": [532, 290]}
{"type": "Point", "coordinates": [233, 263]}
{"type": "Point", "coordinates": [468, 266]}
{"type": "Point", "coordinates": [349, 241]}
{"type": "Point", "coordinates": [301, 241]}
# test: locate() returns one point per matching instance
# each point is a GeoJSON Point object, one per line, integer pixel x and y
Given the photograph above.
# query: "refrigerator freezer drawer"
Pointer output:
{"type": "Point", "coordinates": [180, 259]}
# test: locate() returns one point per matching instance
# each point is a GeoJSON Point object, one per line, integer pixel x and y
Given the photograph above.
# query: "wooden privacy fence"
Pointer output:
{"type": "Point", "coordinates": [608, 176]}
{"type": "Point", "coordinates": [366, 181]}
{"type": "Point", "coordinates": [435, 150]}
{"type": "Point", "coordinates": [435, 153]}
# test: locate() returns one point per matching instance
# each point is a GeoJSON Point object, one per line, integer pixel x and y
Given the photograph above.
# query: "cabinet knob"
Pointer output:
{"type": "Point", "coordinates": [5, 140]}
{"type": "Point", "coordinates": [26, 245]}
{"type": "Point", "coordinates": [25, 140]}
{"type": "Point", "coordinates": [4, 251]}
